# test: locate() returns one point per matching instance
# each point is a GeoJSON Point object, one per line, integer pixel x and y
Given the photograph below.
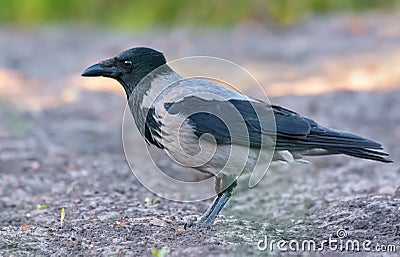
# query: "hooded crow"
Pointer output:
{"type": "Point", "coordinates": [158, 98]}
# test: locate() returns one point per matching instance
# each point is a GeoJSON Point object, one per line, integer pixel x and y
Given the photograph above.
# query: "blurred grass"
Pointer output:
{"type": "Point", "coordinates": [141, 14]}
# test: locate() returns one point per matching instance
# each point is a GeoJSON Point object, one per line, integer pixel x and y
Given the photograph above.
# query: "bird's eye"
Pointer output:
{"type": "Point", "coordinates": [127, 63]}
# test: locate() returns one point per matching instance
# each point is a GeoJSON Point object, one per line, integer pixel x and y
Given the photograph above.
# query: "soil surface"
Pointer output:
{"type": "Point", "coordinates": [61, 146]}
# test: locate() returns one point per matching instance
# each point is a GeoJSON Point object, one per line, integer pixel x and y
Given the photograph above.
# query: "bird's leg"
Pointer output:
{"type": "Point", "coordinates": [223, 199]}
{"type": "Point", "coordinates": [207, 219]}
{"type": "Point", "coordinates": [210, 208]}
{"type": "Point", "coordinates": [218, 185]}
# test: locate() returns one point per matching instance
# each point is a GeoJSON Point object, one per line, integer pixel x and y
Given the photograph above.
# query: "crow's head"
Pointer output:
{"type": "Point", "coordinates": [129, 67]}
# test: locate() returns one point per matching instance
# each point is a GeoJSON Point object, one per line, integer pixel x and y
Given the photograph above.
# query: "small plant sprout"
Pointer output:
{"type": "Point", "coordinates": [121, 223]}
{"type": "Point", "coordinates": [41, 206]}
{"type": "Point", "coordinates": [62, 217]}
{"type": "Point", "coordinates": [159, 253]}
{"type": "Point", "coordinates": [153, 202]}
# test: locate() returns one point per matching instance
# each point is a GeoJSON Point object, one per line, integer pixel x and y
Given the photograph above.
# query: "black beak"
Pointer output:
{"type": "Point", "coordinates": [100, 69]}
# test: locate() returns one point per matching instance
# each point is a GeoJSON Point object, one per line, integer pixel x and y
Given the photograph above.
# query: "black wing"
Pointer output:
{"type": "Point", "coordinates": [221, 119]}
{"type": "Point", "coordinates": [294, 133]}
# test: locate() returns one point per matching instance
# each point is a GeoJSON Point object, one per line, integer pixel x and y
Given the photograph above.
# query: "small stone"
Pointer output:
{"type": "Point", "coordinates": [116, 240]}
{"type": "Point", "coordinates": [386, 190]}
{"type": "Point", "coordinates": [93, 204]}
{"type": "Point", "coordinates": [35, 165]}
{"type": "Point", "coordinates": [73, 239]}
{"type": "Point", "coordinates": [158, 222]}
{"type": "Point", "coordinates": [25, 227]}
{"type": "Point", "coordinates": [360, 224]}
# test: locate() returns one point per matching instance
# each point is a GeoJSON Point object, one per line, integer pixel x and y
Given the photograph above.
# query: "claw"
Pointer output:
{"type": "Point", "coordinates": [190, 223]}
{"type": "Point", "coordinates": [198, 224]}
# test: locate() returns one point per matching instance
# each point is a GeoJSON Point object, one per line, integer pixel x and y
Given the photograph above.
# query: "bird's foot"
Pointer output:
{"type": "Point", "coordinates": [198, 224]}
{"type": "Point", "coordinates": [190, 223]}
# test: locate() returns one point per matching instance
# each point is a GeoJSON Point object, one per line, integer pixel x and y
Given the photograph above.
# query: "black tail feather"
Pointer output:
{"type": "Point", "coordinates": [350, 144]}
{"type": "Point", "coordinates": [366, 154]}
{"type": "Point", "coordinates": [304, 136]}
{"type": "Point", "coordinates": [335, 142]}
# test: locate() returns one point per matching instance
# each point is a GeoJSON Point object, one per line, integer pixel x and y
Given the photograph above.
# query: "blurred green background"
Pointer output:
{"type": "Point", "coordinates": [141, 14]}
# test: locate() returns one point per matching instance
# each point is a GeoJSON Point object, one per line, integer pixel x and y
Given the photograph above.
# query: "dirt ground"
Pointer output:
{"type": "Point", "coordinates": [61, 146]}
